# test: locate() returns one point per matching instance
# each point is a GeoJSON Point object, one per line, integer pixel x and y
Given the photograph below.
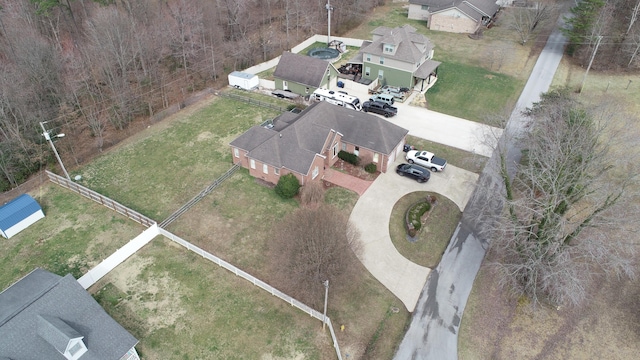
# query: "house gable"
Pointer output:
{"type": "Point", "coordinates": [303, 70]}
{"type": "Point", "coordinates": [45, 316]}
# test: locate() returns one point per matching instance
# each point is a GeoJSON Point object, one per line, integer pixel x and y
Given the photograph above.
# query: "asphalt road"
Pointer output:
{"type": "Point", "coordinates": [433, 332]}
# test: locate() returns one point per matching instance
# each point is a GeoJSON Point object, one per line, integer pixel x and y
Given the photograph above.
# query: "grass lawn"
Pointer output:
{"type": "Point", "coordinates": [181, 306]}
{"type": "Point", "coordinates": [75, 235]}
{"type": "Point", "coordinates": [172, 161]}
{"type": "Point", "coordinates": [433, 238]}
{"type": "Point", "coordinates": [454, 156]}
{"type": "Point", "coordinates": [472, 93]}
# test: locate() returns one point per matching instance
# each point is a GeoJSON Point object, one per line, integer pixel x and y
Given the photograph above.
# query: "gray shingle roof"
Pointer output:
{"type": "Point", "coordinates": [301, 69]}
{"type": "Point", "coordinates": [295, 146]}
{"type": "Point", "coordinates": [42, 309]}
{"type": "Point", "coordinates": [405, 38]}
{"type": "Point", "coordinates": [475, 9]}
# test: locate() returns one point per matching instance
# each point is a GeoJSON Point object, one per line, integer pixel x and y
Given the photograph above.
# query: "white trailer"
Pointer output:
{"type": "Point", "coordinates": [242, 80]}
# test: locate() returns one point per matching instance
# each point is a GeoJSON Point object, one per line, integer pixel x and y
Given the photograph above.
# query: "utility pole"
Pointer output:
{"type": "Point", "coordinates": [48, 138]}
{"type": "Point", "coordinates": [590, 62]}
{"type": "Point", "coordinates": [329, 8]}
{"type": "Point", "coordinates": [326, 294]}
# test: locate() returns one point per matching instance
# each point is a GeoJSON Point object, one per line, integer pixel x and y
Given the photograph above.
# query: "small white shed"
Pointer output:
{"type": "Point", "coordinates": [18, 214]}
{"type": "Point", "coordinates": [243, 80]}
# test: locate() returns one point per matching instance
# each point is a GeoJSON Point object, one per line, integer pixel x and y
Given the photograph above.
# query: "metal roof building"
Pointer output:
{"type": "Point", "coordinates": [18, 214]}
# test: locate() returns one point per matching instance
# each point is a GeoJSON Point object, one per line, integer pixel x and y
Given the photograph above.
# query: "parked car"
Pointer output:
{"type": "Point", "coordinates": [414, 171]}
{"type": "Point", "coordinates": [392, 90]}
{"type": "Point", "coordinates": [426, 159]}
{"type": "Point", "coordinates": [379, 108]}
{"type": "Point", "coordinates": [385, 98]}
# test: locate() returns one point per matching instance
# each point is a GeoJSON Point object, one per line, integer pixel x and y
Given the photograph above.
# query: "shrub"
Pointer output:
{"type": "Point", "coordinates": [349, 157]}
{"type": "Point", "coordinates": [312, 193]}
{"type": "Point", "coordinates": [370, 168]}
{"type": "Point", "coordinates": [288, 186]}
{"type": "Point", "coordinates": [414, 214]}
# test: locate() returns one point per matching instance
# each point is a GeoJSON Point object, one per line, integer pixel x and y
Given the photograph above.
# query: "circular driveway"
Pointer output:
{"type": "Point", "coordinates": [371, 215]}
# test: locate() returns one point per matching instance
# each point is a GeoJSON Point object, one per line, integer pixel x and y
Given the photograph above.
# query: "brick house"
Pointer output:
{"type": "Point", "coordinates": [398, 57]}
{"type": "Point", "coordinates": [307, 143]}
{"type": "Point", "coordinates": [458, 16]}
{"type": "Point", "coordinates": [303, 74]}
{"type": "Point", "coordinates": [46, 316]}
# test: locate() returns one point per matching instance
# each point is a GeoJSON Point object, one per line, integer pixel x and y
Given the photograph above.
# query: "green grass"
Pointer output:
{"type": "Point", "coordinates": [158, 174]}
{"type": "Point", "coordinates": [75, 235]}
{"type": "Point", "coordinates": [220, 316]}
{"type": "Point", "coordinates": [454, 156]}
{"type": "Point", "coordinates": [472, 93]}
{"type": "Point", "coordinates": [433, 238]}
{"type": "Point", "coordinates": [341, 198]}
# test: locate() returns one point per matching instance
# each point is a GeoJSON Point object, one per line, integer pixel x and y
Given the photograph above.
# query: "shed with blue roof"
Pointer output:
{"type": "Point", "coordinates": [18, 214]}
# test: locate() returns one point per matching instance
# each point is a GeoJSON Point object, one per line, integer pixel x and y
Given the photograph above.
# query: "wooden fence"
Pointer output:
{"type": "Point", "coordinates": [101, 199]}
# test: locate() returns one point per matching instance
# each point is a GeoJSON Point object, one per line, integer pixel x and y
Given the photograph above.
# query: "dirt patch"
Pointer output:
{"type": "Point", "coordinates": [158, 297]}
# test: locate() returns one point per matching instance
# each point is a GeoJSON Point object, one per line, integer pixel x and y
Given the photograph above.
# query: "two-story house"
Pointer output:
{"type": "Point", "coordinates": [398, 57]}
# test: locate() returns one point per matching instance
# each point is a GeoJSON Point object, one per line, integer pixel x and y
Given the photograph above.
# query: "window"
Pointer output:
{"type": "Point", "coordinates": [315, 173]}
{"type": "Point", "coordinates": [335, 149]}
{"type": "Point", "coordinates": [357, 151]}
{"type": "Point", "coordinates": [285, 85]}
{"type": "Point", "coordinates": [381, 60]}
{"type": "Point", "coordinates": [76, 350]}
{"type": "Point", "coordinates": [252, 163]}
{"type": "Point", "coordinates": [388, 48]}
{"type": "Point", "coordinates": [276, 171]}
{"type": "Point", "coordinates": [344, 147]}
{"type": "Point", "coordinates": [367, 71]}
{"type": "Point", "coordinates": [380, 74]}
{"type": "Point", "coordinates": [236, 153]}
{"type": "Point", "coordinates": [424, 7]}
{"type": "Point", "coordinates": [368, 57]}
{"type": "Point", "coordinates": [376, 158]}
{"type": "Point", "coordinates": [306, 90]}
{"type": "Point", "coordinates": [265, 168]}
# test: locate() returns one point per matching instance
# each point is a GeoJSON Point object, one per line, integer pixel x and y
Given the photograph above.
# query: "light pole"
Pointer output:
{"type": "Point", "coordinates": [48, 138]}
{"type": "Point", "coordinates": [329, 9]}
{"type": "Point", "coordinates": [326, 294]}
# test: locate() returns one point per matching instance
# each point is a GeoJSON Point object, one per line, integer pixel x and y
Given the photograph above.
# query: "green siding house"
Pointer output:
{"type": "Point", "coordinates": [397, 57]}
{"type": "Point", "coordinates": [303, 74]}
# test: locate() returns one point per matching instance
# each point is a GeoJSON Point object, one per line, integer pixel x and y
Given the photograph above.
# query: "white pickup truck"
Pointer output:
{"type": "Point", "coordinates": [426, 159]}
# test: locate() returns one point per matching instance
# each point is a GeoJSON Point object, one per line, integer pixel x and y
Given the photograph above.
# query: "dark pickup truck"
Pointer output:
{"type": "Point", "coordinates": [379, 108]}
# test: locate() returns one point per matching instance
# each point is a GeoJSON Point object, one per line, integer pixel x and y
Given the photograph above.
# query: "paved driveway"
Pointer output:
{"type": "Point", "coordinates": [371, 214]}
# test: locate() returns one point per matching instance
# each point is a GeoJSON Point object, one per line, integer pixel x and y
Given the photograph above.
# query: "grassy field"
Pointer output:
{"type": "Point", "coordinates": [433, 238]}
{"type": "Point", "coordinates": [497, 326]}
{"type": "Point", "coordinates": [75, 235]}
{"type": "Point", "coordinates": [171, 162]}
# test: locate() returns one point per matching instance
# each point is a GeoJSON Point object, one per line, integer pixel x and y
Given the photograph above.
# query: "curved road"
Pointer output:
{"type": "Point", "coordinates": [433, 332]}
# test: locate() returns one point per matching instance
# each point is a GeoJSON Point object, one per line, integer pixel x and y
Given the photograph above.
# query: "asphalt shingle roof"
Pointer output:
{"type": "Point", "coordinates": [405, 38]}
{"type": "Point", "coordinates": [298, 142]}
{"type": "Point", "coordinates": [301, 69]}
{"type": "Point", "coordinates": [41, 310]}
{"type": "Point", "coordinates": [475, 9]}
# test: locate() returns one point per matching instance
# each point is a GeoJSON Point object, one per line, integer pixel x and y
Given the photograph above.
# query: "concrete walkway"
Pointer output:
{"type": "Point", "coordinates": [371, 216]}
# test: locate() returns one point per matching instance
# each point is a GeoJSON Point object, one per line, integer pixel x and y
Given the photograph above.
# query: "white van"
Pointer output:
{"type": "Point", "coordinates": [385, 98]}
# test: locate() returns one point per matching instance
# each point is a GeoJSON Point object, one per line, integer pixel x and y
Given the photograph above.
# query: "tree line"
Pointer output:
{"type": "Point", "coordinates": [91, 67]}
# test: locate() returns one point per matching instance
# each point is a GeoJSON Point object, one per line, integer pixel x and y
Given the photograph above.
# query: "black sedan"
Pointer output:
{"type": "Point", "coordinates": [415, 171]}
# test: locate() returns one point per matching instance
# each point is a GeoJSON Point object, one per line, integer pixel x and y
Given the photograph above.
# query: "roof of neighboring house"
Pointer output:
{"type": "Point", "coordinates": [43, 311]}
{"type": "Point", "coordinates": [475, 9]}
{"type": "Point", "coordinates": [17, 210]}
{"type": "Point", "coordinates": [296, 142]}
{"type": "Point", "coordinates": [405, 38]}
{"type": "Point", "coordinates": [301, 69]}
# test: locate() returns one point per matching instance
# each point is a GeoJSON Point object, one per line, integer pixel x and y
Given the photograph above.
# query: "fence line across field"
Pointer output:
{"type": "Point", "coordinates": [101, 199]}
{"type": "Point", "coordinates": [153, 229]}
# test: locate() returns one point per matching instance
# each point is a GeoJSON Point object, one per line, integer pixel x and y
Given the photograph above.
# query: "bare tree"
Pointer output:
{"type": "Point", "coordinates": [567, 211]}
{"type": "Point", "coordinates": [311, 246]}
{"type": "Point", "coordinates": [525, 20]}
